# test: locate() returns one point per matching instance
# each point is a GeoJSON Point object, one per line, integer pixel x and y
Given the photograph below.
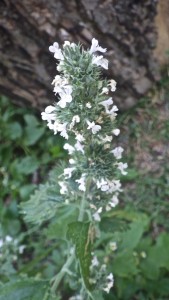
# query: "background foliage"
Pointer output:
{"type": "Point", "coordinates": [139, 225]}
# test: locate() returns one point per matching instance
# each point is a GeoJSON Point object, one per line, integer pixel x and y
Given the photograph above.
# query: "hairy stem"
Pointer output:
{"type": "Point", "coordinates": [62, 272]}
{"type": "Point", "coordinates": [83, 202]}
{"type": "Point", "coordinates": [70, 259]}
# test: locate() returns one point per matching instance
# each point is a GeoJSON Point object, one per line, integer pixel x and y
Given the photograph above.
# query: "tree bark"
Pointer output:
{"type": "Point", "coordinates": [28, 27]}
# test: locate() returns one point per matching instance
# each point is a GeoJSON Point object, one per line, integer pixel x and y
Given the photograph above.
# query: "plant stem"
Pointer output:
{"type": "Point", "coordinates": [82, 206]}
{"type": "Point", "coordinates": [83, 202]}
{"type": "Point", "coordinates": [62, 272]}
{"type": "Point", "coordinates": [70, 259]}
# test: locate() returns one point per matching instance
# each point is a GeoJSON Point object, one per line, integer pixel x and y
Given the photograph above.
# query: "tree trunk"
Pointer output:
{"type": "Point", "coordinates": [28, 27]}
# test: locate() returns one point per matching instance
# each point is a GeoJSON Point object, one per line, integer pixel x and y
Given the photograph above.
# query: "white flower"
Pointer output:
{"type": "Point", "coordinates": [48, 114]}
{"type": "Point", "coordinates": [75, 119]}
{"type": "Point", "coordinates": [81, 181]}
{"type": "Point", "coordinates": [21, 249]}
{"type": "Point", "coordinates": [105, 90]}
{"type": "Point", "coordinates": [59, 66]}
{"type": "Point", "coordinates": [95, 128]}
{"type": "Point", "coordinates": [112, 84]}
{"type": "Point", "coordinates": [71, 161]}
{"type": "Point", "coordinates": [117, 152]}
{"type": "Point", "coordinates": [110, 277]}
{"type": "Point", "coordinates": [69, 148]}
{"type": "Point", "coordinates": [67, 43]}
{"type": "Point", "coordinates": [100, 183]}
{"type": "Point", "coordinates": [59, 81]}
{"type": "Point", "coordinates": [108, 208]}
{"type": "Point", "coordinates": [68, 172]}
{"type": "Point", "coordinates": [103, 185]}
{"type": "Point", "coordinates": [96, 215]}
{"type": "Point", "coordinates": [65, 96]}
{"type": "Point", "coordinates": [8, 239]}
{"type": "Point", "coordinates": [95, 47]}
{"type": "Point", "coordinates": [63, 186]}
{"type": "Point", "coordinates": [115, 186]}
{"type": "Point", "coordinates": [113, 246]}
{"type": "Point", "coordinates": [113, 110]}
{"type": "Point", "coordinates": [107, 138]}
{"type": "Point", "coordinates": [62, 129]}
{"type": "Point", "coordinates": [57, 51]}
{"type": "Point", "coordinates": [114, 201]}
{"type": "Point", "coordinates": [54, 47]}
{"type": "Point", "coordinates": [53, 126]}
{"type": "Point", "coordinates": [121, 166]}
{"type": "Point", "coordinates": [106, 104]}
{"type": "Point", "coordinates": [100, 61]}
{"type": "Point", "coordinates": [110, 283]}
{"type": "Point", "coordinates": [88, 105]}
{"type": "Point", "coordinates": [95, 262]}
{"type": "Point", "coordinates": [79, 137]}
{"type": "Point", "coordinates": [79, 147]}
{"type": "Point", "coordinates": [116, 131]}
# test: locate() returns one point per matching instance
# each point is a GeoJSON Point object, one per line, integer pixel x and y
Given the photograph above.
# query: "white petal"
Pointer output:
{"type": "Point", "coordinates": [49, 109]}
{"type": "Point", "coordinates": [95, 47]}
{"type": "Point", "coordinates": [116, 131]}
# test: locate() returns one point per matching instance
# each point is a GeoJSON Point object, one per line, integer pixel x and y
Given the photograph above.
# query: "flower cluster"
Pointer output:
{"type": "Point", "coordinates": [10, 249]}
{"type": "Point", "coordinates": [85, 115]}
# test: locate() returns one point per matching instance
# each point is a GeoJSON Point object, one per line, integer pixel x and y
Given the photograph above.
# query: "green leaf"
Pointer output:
{"type": "Point", "coordinates": [23, 290]}
{"type": "Point", "coordinates": [149, 268]}
{"type": "Point", "coordinates": [156, 257]}
{"type": "Point", "coordinates": [131, 237]}
{"type": "Point", "coordinates": [27, 165]}
{"type": "Point", "coordinates": [58, 227]}
{"type": "Point", "coordinates": [14, 130]}
{"type": "Point", "coordinates": [33, 134]}
{"type": "Point", "coordinates": [124, 264]}
{"type": "Point", "coordinates": [41, 207]}
{"type": "Point", "coordinates": [31, 120]}
{"type": "Point", "coordinates": [79, 233]}
{"type": "Point", "coordinates": [159, 253]}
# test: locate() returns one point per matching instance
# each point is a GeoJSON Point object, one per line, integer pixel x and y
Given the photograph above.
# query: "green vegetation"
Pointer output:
{"type": "Point", "coordinates": [139, 225]}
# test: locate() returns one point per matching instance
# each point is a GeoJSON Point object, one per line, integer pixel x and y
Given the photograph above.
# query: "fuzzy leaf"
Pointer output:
{"type": "Point", "coordinates": [42, 206]}
{"type": "Point", "coordinates": [46, 200]}
{"type": "Point", "coordinates": [79, 233]}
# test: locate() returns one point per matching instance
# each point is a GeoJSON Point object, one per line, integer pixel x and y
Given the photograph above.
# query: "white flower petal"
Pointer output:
{"type": "Point", "coordinates": [100, 61]}
{"type": "Point", "coordinates": [95, 47]}
{"type": "Point", "coordinates": [116, 131]}
{"type": "Point", "coordinates": [112, 84]}
{"type": "Point", "coordinates": [69, 148]}
{"type": "Point", "coordinates": [117, 152]}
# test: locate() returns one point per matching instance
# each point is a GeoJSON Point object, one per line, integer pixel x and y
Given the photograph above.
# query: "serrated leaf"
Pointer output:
{"type": "Point", "coordinates": [79, 233]}
{"type": "Point", "coordinates": [46, 200]}
{"type": "Point", "coordinates": [23, 290]}
{"type": "Point", "coordinates": [41, 207]}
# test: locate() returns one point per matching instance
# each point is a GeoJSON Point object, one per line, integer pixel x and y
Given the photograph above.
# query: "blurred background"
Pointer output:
{"type": "Point", "coordinates": [136, 35]}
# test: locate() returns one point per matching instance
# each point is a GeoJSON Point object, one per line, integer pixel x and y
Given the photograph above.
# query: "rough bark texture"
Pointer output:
{"type": "Point", "coordinates": [28, 27]}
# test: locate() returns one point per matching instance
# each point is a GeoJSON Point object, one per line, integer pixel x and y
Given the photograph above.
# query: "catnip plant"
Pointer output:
{"type": "Point", "coordinates": [85, 116]}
